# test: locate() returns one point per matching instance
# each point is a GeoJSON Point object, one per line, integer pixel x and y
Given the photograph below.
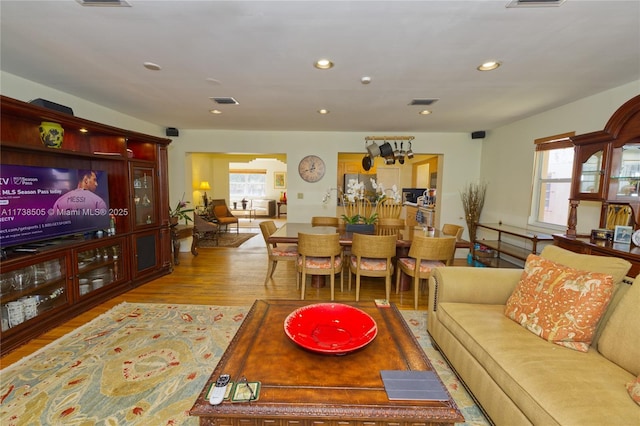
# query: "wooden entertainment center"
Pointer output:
{"type": "Point", "coordinates": [69, 275]}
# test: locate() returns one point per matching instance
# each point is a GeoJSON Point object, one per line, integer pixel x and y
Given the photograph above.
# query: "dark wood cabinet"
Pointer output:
{"type": "Point", "coordinates": [607, 166]}
{"type": "Point", "coordinates": [71, 274]}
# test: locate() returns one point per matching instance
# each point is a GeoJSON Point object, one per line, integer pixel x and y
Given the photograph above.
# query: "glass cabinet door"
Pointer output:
{"type": "Point", "coordinates": [144, 193]}
{"type": "Point", "coordinates": [625, 173]}
{"type": "Point", "coordinates": [99, 267]}
{"type": "Point", "coordinates": [31, 291]}
{"type": "Point", "coordinates": [590, 163]}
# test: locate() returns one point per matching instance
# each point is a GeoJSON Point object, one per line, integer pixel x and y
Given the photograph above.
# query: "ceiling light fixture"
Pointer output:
{"type": "Point", "coordinates": [365, 80]}
{"type": "Point", "coordinates": [323, 64]}
{"type": "Point", "coordinates": [489, 66]}
{"type": "Point", "coordinates": [215, 111]}
{"type": "Point", "coordinates": [323, 111]}
{"type": "Point", "coordinates": [425, 112]}
{"type": "Point", "coordinates": [151, 66]}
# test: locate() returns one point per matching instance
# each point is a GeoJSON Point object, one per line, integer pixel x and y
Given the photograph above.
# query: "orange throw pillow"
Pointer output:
{"type": "Point", "coordinates": [634, 390]}
{"type": "Point", "coordinates": [560, 304]}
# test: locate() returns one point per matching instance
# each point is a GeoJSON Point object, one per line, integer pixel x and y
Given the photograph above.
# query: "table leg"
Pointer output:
{"type": "Point", "coordinates": [176, 251]}
{"type": "Point", "coordinates": [194, 244]}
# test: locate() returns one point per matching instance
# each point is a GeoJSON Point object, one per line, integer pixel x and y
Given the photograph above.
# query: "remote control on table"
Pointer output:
{"type": "Point", "coordinates": [219, 389]}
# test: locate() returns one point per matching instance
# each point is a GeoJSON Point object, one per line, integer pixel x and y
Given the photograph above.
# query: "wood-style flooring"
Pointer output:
{"type": "Point", "coordinates": [225, 276]}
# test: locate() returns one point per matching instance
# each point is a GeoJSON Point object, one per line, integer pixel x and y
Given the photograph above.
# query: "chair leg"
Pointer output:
{"type": "Point", "coordinates": [357, 286]}
{"type": "Point", "coordinates": [387, 285]}
{"type": "Point", "coordinates": [271, 267]}
{"type": "Point", "coordinates": [303, 279]}
{"type": "Point", "coordinates": [416, 286]}
{"type": "Point", "coordinates": [333, 282]}
{"type": "Point", "coordinates": [398, 274]}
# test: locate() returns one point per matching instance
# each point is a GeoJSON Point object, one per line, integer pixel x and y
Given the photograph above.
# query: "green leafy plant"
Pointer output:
{"type": "Point", "coordinates": [181, 212]}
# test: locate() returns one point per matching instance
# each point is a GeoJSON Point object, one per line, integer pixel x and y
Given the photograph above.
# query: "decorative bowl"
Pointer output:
{"type": "Point", "coordinates": [51, 134]}
{"type": "Point", "coordinates": [330, 328]}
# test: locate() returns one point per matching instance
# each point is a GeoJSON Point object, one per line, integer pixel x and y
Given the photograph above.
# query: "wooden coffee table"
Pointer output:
{"type": "Point", "coordinates": [304, 388]}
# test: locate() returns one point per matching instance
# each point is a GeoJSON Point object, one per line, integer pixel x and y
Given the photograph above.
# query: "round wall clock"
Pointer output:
{"type": "Point", "coordinates": [635, 237]}
{"type": "Point", "coordinates": [311, 168]}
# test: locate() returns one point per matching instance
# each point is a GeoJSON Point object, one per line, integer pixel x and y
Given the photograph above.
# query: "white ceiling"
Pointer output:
{"type": "Point", "coordinates": [261, 53]}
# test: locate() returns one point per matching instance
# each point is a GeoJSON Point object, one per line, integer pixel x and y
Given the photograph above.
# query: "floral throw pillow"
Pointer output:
{"type": "Point", "coordinates": [634, 390]}
{"type": "Point", "coordinates": [560, 304]}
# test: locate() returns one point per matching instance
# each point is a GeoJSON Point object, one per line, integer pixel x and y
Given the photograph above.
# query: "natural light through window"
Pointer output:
{"type": "Point", "coordinates": [249, 184]}
{"type": "Point", "coordinates": [552, 181]}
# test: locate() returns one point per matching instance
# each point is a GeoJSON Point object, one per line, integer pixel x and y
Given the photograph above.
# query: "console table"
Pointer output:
{"type": "Point", "coordinates": [179, 232]}
{"type": "Point", "coordinates": [280, 204]}
{"type": "Point", "coordinates": [305, 388]}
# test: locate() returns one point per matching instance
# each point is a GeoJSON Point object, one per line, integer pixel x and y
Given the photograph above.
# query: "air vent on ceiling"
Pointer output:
{"type": "Point", "coordinates": [225, 101]}
{"type": "Point", "coordinates": [423, 101]}
{"type": "Point", "coordinates": [116, 3]}
{"type": "Point", "coordinates": [534, 3]}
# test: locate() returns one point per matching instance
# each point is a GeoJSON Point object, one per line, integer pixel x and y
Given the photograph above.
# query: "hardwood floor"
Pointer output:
{"type": "Point", "coordinates": [224, 276]}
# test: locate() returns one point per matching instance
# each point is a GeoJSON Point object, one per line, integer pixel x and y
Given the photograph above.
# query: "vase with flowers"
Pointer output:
{"type": "Point", "coordinates": [472, 202]}
{"type": "Point", "coordinates": [180, 212]}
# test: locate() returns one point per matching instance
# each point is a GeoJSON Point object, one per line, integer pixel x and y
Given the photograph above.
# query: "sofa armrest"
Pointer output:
{"type": "Point", "coordinates": [461, 284]}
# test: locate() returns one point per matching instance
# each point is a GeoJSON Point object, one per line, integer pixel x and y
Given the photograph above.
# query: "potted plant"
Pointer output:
{"type": "Point", "coordinates": [360, 215]}
{"type": "Point", "coordinates": [180, 212]}
{"type": "Point", "coordinates": [472, 202]}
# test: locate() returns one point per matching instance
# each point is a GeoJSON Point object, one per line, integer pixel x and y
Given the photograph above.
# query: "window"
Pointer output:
{"type": "Point", "coordinates": [552, 181]}
{"type": "Point", "coordinates": [247, 184]}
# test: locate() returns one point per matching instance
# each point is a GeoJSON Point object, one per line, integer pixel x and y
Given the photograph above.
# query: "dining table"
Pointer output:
{"type": "Point", "coordinates": [288, 234]}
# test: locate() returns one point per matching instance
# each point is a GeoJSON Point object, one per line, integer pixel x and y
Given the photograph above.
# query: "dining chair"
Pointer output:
{"type": "Point", "coordinates": [453, 230]}
{"type": "Point", "coordinates": [372, 256]}
{"type": "Point", "coordinates": [325, 221]}
{"type": "Point", "coordinates": [425, 254]}
{"type": "Point", "coordinates": [276, 253]}
{"type": "Point", "coordinates": [319, 254]}
{"type": "Point", "coordinates": [222, 214]}
{"type": "Point", "coordinates": [389, 208]}
{"type": "Point", "coordinates": [389, 226]}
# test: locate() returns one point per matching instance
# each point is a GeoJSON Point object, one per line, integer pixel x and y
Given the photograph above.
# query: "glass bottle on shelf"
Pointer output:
{"type": "Point", "coordinates": [30, 291]}
{"type": "Point", "coordinates": [144, 203]}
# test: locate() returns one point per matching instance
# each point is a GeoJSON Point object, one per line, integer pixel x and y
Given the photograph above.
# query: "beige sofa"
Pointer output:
{"type": "Point", "coordinates": [519, 378]}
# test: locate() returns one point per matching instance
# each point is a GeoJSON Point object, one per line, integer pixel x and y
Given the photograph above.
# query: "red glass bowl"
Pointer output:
{"type": "Point", "coordinates": [330, 328]}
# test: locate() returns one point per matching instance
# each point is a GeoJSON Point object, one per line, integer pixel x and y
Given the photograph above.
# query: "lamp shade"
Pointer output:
{"type": "Point", "coordinates": [205, 185]}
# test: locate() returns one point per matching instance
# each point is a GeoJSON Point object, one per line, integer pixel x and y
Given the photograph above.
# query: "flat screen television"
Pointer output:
{"type": "Point", "coordinates": [41, 203]}
{"type": "Point", "coordinates": [410, 195]}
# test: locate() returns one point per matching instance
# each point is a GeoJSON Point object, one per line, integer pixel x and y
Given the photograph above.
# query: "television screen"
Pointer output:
{"type": "Point", "coordinates": [39, 203]}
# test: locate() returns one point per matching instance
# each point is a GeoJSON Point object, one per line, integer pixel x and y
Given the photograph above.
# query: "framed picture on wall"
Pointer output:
{"type": "Point", "coordinates": [622, 234]}
{"type": "Point", "coordinates": [280, 180]}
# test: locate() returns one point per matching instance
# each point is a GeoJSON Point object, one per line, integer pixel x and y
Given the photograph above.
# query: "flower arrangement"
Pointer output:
{"type": "Point", "coordinates": [181, 211]}
{"type": "Point", "coordinates": [357, 202]}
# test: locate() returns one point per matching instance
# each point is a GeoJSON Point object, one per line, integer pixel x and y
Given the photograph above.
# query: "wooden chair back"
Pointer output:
{"type": "Point", "coordinates": [361, 207]}
{"type": "Point", "coordinates": [389, 208]}
{"type": "Point", "coordinates": [372, 256]}
{"type": "Point", "coordinates": [389, 226]}
{"type": "Point", "coordinates": [325, 221]}
{"type": "Point", "coordinates": [453, 230]}
{"type": "Point", "coordinates": [430, 248]}
{"type": "Point", "coordinates": [319, 246]}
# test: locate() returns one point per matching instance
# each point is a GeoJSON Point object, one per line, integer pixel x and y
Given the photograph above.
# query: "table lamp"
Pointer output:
{"type": "Point", "coordinates": [204, 185]}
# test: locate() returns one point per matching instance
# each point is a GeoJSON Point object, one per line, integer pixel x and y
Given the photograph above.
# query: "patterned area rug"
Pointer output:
{"type": "Point", "coordinates": [145, 364]}
{"type": "Point", "coordinates": [226, 239]}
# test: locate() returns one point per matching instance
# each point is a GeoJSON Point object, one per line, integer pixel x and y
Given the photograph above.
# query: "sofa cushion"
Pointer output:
{"type": "Point", "coordinates": [560, 304]}
{"type": "Point", "coordinates": [620, 339]}
{"type": "Point", "coordinates": [614, 266]}
{"type": "Point", "coordinates": [549, 383]}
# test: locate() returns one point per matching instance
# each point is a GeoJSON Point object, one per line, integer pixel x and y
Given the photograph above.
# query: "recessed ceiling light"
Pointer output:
{"type": "Point", "coordinates": [214, 81]}
{"type": "Point", "coordinates": [323, 64]}
{"type": "Point", "coordinates": [365, 80]}
{"type": "Point", "coordinates": [425, 112]}
{"type": "Point", "coordinates": [151, 66]}
{"type": "Point", "coordinates": [215, 111]}
{"type": "Point", "coordinates": [489, 66]}
{"type": "Point", "coordinates": [323, 111]}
